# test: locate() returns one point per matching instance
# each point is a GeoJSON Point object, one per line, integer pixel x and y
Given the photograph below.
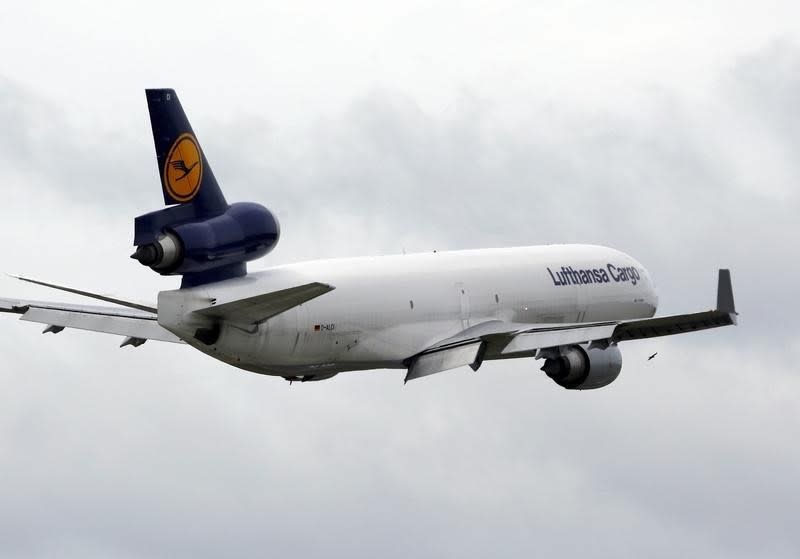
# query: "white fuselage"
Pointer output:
{"type": "Point", "coordinates": [387, 309]}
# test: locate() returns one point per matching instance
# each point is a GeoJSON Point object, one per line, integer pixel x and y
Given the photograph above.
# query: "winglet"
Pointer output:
{"type": "Point", "coordinates": [725, 293]}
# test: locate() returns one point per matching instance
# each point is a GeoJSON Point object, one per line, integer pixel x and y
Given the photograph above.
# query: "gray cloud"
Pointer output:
{"type": "Point", "coordinates": [667, 181]}
{"type": "Point", "coordinates": [161, 452]}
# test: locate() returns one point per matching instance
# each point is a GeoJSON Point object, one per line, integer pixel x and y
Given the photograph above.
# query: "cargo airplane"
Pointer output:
{"type": "Point", "coordinates": [567, 305]}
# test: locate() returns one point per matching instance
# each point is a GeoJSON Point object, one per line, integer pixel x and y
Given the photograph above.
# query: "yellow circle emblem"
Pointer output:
{"type": "Point", "coordinates": [183, 170]}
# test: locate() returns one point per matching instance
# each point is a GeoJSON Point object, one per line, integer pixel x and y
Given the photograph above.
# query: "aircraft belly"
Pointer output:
{"type": "Point", "coordinates": [390, 346]}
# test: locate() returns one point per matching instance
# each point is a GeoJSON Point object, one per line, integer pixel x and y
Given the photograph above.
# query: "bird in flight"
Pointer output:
{"type": "Point", "coordinates": [651, 357]}
{"type": "Point", "coordinates": [180, 165]}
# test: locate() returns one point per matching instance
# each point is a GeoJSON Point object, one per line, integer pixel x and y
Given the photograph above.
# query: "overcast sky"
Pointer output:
{"type": "Point", "coordinates": [670, 131]}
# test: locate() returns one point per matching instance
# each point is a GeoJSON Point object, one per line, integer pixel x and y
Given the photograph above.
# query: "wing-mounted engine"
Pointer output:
{"type": "Point", "coordinates": [201, 237]}
{"type": "Point", "coordinates": [579, 368]}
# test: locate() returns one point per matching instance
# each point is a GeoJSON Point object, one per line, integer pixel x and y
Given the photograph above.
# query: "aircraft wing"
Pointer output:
{"type": "Point", "coordinates": [137, 326]}
{"type": "Point", "coordinates": [499, 339]}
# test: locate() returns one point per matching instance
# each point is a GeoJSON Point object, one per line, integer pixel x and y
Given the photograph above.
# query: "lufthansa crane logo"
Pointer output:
{"type": "Point", "coordinates": [183, 170]}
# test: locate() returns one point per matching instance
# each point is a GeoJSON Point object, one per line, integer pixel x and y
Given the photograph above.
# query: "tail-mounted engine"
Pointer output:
{"type": "Point", "coordinates": [216, 247]}
{"type": "Point", "coordinates": [579, 368]}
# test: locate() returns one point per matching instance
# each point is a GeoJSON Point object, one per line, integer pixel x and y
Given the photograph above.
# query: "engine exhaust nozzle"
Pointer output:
{"type": "Point", "coordinates": [146, 254]}
{"type": "Point", "coordinates": [165, 254]}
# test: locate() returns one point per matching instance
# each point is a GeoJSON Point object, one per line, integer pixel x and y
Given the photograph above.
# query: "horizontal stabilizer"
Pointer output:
{"type": "Point", "coordinates": [260, 308]}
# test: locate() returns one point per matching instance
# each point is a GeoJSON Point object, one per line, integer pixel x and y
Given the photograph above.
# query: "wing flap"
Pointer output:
{"type": "Point", "coordinates": [553, 336]}
{"type": "Point", "coordinates": [445, 359]}
{"type": "Point", "coordinates": [260, 308]}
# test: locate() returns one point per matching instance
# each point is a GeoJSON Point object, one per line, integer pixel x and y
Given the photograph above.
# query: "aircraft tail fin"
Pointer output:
{"type": "Point", "coordinates": [199, 236]}
{"type": "Point", "coordinates": [186, 176]}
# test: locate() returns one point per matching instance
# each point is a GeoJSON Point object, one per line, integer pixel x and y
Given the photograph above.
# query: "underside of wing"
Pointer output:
{"type": "Point", "coordinates": [137, 326]}
{"type": "Point", "coordinates": [498, 339]}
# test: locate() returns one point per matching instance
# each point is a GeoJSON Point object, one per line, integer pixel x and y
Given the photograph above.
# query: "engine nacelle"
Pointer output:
{"type": "Point", "coordinates": [579, 368]}
{"type": "Point", "coordinates": [244, 232]}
